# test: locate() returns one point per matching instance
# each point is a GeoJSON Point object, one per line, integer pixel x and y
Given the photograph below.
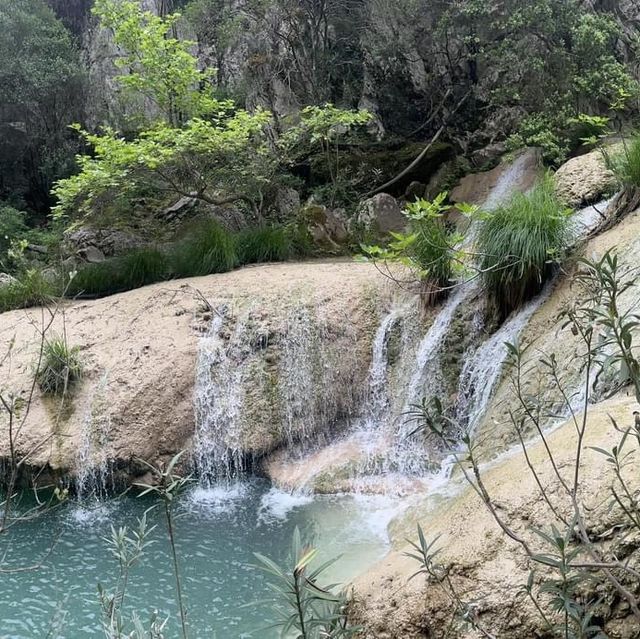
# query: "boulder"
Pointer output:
{"type": "Point", "coordinates": [287, 203]}
{"type": "Point", "coordinates": [380, 214]}
{"type": "Point", "coordinates": [327, 226]}
{"type": "Point", "coordinates": [180, 208]}
{"type": "Point", "coordinates": [96, 244]}
{"type": "Point", "coordinates": [584, 180]}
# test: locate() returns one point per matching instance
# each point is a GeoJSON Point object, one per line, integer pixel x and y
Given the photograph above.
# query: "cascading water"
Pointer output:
{"type": "Point", "coordinates": [217, 452]}
{"type": "Point", "coordinates": [94, 478]}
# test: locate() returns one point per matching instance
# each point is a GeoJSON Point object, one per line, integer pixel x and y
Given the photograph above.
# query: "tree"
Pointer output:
{"type": "Point", "coordinates": [41, 87]}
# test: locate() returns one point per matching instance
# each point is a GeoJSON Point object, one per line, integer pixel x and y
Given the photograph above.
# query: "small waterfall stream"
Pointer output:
{"type": "Point", "coordinates": [93, 479]}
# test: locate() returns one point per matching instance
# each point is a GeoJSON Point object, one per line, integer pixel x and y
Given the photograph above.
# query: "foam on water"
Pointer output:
{"type": "Point", "coordinates": [277, 504]}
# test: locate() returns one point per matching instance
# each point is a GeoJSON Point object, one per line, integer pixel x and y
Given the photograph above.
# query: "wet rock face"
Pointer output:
{"type": "Point", "coordinates": [585, 179]}
{"type": "Point", "coordinates": [518, 175]}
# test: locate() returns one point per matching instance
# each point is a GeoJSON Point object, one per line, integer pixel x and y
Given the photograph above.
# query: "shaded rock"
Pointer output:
{"type": "Point", "coordinates": [380, 214]}
{"type": "Point", "coordinates": [109, 242]}
{"type": "Point", "coordinates": [6, 279]}
{"type": "Point", "coordinates": [287, 203]}
{"type": "Point", "coordinates": [584, 180]}
{"type": "Point", "coordinates": [415, 191]}
{"type": "Point", "coordinates": [519, 174]}
{"type": "Point", "coordinates": [92, 254]}
{"type": "Point", "coordinates": [327, 227]}
{"type": "Point", "coordinates": [180, 208]}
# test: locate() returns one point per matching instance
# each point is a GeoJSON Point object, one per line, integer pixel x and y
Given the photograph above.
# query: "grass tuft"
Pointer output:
{"type": "Point", "coordinates": [60, 367]}
{"type": "Point", "coordinates": [626, 163]}
{"type": "Point", "coordinates": [209, 248]}
{"type": "Point", "coordinates": [31, 288]}
{"type": "Point", "coordinates": [521, 245]}
{"type": "Point", "coordinates": [263, 244]}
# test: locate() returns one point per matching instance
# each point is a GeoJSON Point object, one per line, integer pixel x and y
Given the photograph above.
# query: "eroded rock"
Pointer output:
{"type": "Point", "coordinates": [380, 214]}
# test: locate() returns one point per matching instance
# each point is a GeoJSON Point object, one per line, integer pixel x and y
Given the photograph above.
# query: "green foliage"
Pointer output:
{"type": "Point", "coordinates": [60, 368]}
{"type": "Point", "coordinates": [158, 66]}
{"type": "Point", "coordinates": [626, 163]}
{"type": "Point", "coordinates": [264, 244]}
{"type": "Point", "coordinates": [209, 249]}
{"type": "Point", "coordinates": [12, 228]}
{"type": "Point", "coordinates": [198, 146]}
{"type": "Point", "coordinates": [429, 248]}
{"type": "Point", "coordinates": [521, 243]}
{"type": "Point", "coordinates": [41, 80]}
{"type": "Point", "coordinates": [130, 271]}
{"type": "Point", "coordinates": [306, 608]}
{"type": "Point", "coordinates": [31, 288]}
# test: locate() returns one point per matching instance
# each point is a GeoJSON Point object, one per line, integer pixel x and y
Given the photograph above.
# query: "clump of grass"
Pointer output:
{"type": "Point", "coordinates": [60, 368]}
{"type": "Point", "coordinates": [209, 248]}
{"type": "Point", "coordinates": [521, 244]}
{"type": "Point", "coordinates": [31, 288]}
{"type": "Point", "coordinates": [133, 270]}
{"type": "Point", "coordinates": [263, 244]}
{"type": "Point", "coordinates": [626, 163]}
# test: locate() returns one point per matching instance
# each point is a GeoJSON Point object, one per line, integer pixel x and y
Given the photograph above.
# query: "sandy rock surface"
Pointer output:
{"type": "Point", "coordinates": [139, 352]}
{"type": "Point", "coordinates": [484, 564]}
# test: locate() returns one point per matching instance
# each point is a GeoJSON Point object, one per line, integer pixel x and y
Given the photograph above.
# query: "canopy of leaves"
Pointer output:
{"type": "Point", "coordinates": [41, 87]}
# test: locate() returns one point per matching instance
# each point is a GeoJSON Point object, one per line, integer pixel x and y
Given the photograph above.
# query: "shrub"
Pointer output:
{"type": "Point", "coordinates": [626, 164]}
{"type": "Point", "coordinates": [263, 244]}
{"type": "Point", "coordinates": [60, 368]}
{"type": "Point", "coordinates": [209, 248]}
{"type": "Point", "coordinates": [31, 288]}
{"type": "Point", "coordinates": [431, 250]}
{"type": "Point", "coordinates": [521, 244]}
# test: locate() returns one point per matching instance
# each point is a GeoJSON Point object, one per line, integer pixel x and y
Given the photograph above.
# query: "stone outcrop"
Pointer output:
{"type": "Point", "coordinates": [139, 352]}
{"type": "Point", "coordinates": [94, 245]}
{"type": "Point", "coordinates": [517, 175]}
{"type": "Point", "coordinates": [585, 179]}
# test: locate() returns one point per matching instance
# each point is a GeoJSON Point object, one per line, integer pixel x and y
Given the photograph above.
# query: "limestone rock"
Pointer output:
{"type": "Point", "coordinates": [287, 203]}
{"type": "Point", "coordinates": [584, 180]}
{"type": "Point", "coordinates": [380, 214]}
{"type": "Point", "coordinates": [140, 357]}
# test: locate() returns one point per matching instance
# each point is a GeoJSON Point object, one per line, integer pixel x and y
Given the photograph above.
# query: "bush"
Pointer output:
{"type": "Point", "coordinates": [209, 248]}
{"type": "Point", "coordinates": [60, 368]}
{"type": "Point", "coordinates": [521, 244]}
{"type": "Point", "coordinates": [31, 288]}
{"type": "Point", "coordinates": [264, 244]}
{"type": "Point", "coordinates": [626, 164]}
{"type": "Point", "coordinates": [431, 250]}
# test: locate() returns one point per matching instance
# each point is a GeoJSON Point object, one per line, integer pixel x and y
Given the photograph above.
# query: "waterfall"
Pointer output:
{"type": "Point", "coordinates": [93, 478]}
{"type": "Point", "coordinates": [482, 371]}
{"type": "Point", "coordinates": [217, 452]}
